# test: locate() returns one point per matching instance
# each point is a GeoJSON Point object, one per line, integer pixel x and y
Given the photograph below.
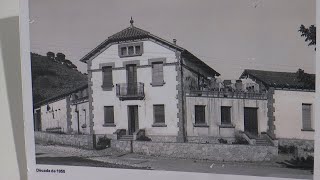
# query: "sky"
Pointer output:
{"type": "Point", "coordinates": [228, 35]}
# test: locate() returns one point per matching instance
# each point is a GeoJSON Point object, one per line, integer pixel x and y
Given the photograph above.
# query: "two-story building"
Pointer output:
{"type": "Point", "coordinates": [137, 82]}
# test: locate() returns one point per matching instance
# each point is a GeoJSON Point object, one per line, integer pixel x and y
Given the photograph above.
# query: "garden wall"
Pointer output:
{"type": "Point", "coordinates": [218, 152]}
{"type": "Point", "coordinates": [75, 140]}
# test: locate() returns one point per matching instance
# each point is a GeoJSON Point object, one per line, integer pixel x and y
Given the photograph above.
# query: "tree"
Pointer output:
{"type": "Point", "coordinates": [309, 33]}
{"type": "Point", "coordinates": [50, 55]}
{"type": "Point", "coordinates": [308, 80]}
{"type": "Point", "coordinates": [60, 57]}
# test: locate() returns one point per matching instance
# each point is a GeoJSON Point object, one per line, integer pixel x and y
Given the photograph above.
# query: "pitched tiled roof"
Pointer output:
{"type": "Point", "coordinates": [134, 33]}
{"type": "Point", "coordinates": [129, 33]}
{"type": "Point", "coordinates": [278, 79]}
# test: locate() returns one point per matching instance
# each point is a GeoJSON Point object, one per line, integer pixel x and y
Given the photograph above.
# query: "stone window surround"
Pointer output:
{"type": "Point", "coordinates": [136, 62]}
{"type": "Point", "coordinates": [128, 45]}
{"type": "Point", "coordinates": [101, 65]}
{"type": "Point", "coordinates": [108, 124]}
{"type": "Point", "coordinates": [227, 125]}
{"type": "Point", "coordinates": [202, 125]}
{"type": "Point", "coordinates": [308, 129]}
{"type": "Point", "coordinates": [157, 60]}
{"type": "Point", "coordinates": [159, 124]}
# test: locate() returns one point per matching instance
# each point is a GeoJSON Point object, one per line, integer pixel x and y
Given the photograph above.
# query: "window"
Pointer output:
{"type": "Point", "coordinates": [124, 51]}
{"type": "Point", "coordinates": [306, 117]}
{"type": "Point", "coordinates": [158, 114]}
{"type": "Point", "coordinates": [225, 115]}
{"type": "Point", "coordinates": [200, 115]}
{"type": "Point", "coordinates": [157, 74]}
{"type": "Point", "coordinates": [130, 49]}
{"type": "Point", "coordinates": [108, 115]}
{"type": "Point", "coordinates": [107, 77]}
{"type": "Point", "coordinates": [137, 49]}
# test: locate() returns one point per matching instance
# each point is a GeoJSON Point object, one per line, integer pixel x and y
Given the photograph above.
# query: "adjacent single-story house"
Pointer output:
{"type": "Point", "coordinates": [65, 113]}
{"type": "Point", "coordinates": [291, 104]}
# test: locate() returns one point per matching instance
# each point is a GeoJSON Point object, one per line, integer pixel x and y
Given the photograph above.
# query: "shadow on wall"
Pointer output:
{"type": "Point", "coordinates": [10, 47]}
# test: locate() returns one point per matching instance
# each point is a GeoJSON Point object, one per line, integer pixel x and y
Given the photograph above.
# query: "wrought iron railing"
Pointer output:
{"type": "Point", "coordinates": [229, 94]}
{"type": "Point", "coordinates": [130, 91]}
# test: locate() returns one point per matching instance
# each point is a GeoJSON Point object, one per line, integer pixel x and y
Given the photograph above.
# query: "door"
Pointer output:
{"type": "Point", "coordinates": [37, 120]}
{"type": "Point", "coordinates": [251, 121]}
{"type": "Point", "coordinates": [131, 79]}
{"type": "Point", "coordinates": [133, 122]}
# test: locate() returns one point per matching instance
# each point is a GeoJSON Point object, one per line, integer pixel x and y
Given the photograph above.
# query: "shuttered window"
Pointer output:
{"type": "Point", "coordinates": [200, 115]}
{"type": "Point", "coordinates": [157, 74]}
{"type": "Point", "coordinates": [159, 115]}
{"type": "Point", "coordinates": [107, 76]}
{"type": "Point", "coordinates": [108, 115]}
{"type": "Point", "coordinates": [225, 115]}
{"type": "Point", "coordinates": [306, 117]}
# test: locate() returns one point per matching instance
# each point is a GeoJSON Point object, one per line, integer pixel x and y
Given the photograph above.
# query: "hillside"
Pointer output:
{"type": "Point", "coordinates": [51, 78]}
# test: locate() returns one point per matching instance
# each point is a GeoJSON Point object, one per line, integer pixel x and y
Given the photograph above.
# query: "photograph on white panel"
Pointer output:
{"type": "Point", "coordinates": [225, 87]}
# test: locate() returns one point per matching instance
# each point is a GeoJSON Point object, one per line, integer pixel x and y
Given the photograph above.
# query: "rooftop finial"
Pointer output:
{"type": "Point", "coordinates": [131, 22]}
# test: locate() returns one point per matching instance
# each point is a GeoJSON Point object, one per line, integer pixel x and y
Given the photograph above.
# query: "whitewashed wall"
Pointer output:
{"type": "Point", "coordinates": [288, 114]}
{"type": "Point", "coordinates": [83, 118]}
{"type": "Point", "coordinates": [60, 115]}
{"type": "Point", "coordinates": [165, 94]}
{"type": "Point", "coordinates": [213, 115]}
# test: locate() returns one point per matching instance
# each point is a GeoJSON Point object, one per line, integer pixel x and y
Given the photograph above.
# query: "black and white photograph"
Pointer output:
{"type": "Point", "coordinates": [210, 86]}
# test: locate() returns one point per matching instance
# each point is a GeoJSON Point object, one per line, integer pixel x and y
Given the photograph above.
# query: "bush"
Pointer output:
{"type": "Point", "coordinates": [103, 142]}
{"type": "Point", "coordinates": [240, 140]}
{"type": "Point", "coordinates": [287, 149]}
{"type": "Point", "coordinates": [143, 138]}
{"type": "Point", "coordinates": [222, 141]}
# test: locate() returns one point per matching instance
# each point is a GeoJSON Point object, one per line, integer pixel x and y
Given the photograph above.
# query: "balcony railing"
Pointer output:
{"type": "Point", "coordinates": [229, 94]}
{"type": "Point", "coordinates": [130, 91]}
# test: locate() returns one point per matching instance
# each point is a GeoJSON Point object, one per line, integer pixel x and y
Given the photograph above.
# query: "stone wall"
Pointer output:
{"type": "Point", "coordinates": [218, 152]}
{"type": "Point", "coordinates": [208, 139]}
{"type": "Point", "coordinates": [75, 140]}
{"type": "Point", "coordinates": [163, 138]}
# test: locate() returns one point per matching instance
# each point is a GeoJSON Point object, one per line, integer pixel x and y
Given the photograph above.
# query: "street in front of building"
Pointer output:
{"type": "Point", "coordinates": [109, 158]}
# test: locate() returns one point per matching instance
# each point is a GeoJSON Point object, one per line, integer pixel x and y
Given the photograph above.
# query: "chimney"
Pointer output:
{"type": "Point", "coordinates": [174, 41]}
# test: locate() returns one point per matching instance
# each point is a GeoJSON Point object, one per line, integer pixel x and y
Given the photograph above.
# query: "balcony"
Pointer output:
{"type": "Point", "coordinates": [130, 91]}
{"type": "Point", "coordinates": [229, 94]}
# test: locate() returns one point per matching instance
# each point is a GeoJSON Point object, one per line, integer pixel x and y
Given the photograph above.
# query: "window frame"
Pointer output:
{"type": "Point", "coordinates": [159, 124]}
{"type": "Point", "coordinates": [197, 123]}
{"type": "Point", "coordinates": [107, 87]}
{"type": "Point", "coordinates": [154, 83]}
{"type": "Point", "coordinates": [229, 115]}
{"type": "Point", "coordinates": [129, 45]}
{"type": "Point", "coordinates": [311, 117]}
{"type": "Point", "coordinates": [105, 123]}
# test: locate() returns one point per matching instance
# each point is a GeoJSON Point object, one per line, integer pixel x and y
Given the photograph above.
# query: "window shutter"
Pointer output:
{"type": "Point", "coordinates": [200, 114]}
{"type": "Point", "coordinates": [306, 116]}
{"type": "Point", "coordinates": [107, 76]}
{"type": "Point", "coordinates": [157, 73]}
{"type": "Point", "coordinates": [225, 115]}
{"type": "Point", "coordinates": [159, 115]}
{"type": "Point", "coordinates": [108, 114]}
